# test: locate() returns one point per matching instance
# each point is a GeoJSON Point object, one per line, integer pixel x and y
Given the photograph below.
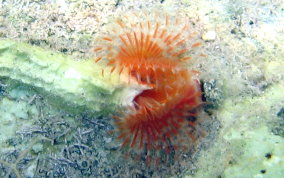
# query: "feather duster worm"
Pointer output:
{"type": "Point", "coordinates": [152, 49]}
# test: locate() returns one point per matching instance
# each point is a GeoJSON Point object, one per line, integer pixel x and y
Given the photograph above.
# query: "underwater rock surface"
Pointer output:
{"type": "Point", "coordinates": [243, 80]}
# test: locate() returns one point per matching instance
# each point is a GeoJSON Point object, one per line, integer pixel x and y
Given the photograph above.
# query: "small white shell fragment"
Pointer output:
{"type": "Point", "coordinates": [209, 36]}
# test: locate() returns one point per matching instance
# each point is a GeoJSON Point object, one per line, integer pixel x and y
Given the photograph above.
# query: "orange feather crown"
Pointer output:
{"type": "Point", "coordinates": [154, 51]}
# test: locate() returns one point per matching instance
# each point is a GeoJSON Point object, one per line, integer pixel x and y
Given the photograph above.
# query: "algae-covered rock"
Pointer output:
{"type": "Point", "coordinates": [77, 86]}
{"type": "Point", "coordinates": [247, 145]}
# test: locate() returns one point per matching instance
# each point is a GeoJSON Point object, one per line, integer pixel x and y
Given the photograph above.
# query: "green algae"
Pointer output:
{"type": "Point", "coordinates": [246, 139]}
{"type": "Point", "coordinates": [76, 86]}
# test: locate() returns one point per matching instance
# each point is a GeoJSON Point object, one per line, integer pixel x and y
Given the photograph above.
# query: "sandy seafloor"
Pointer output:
{"type": "Point", "coordinates": [243, 79]}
